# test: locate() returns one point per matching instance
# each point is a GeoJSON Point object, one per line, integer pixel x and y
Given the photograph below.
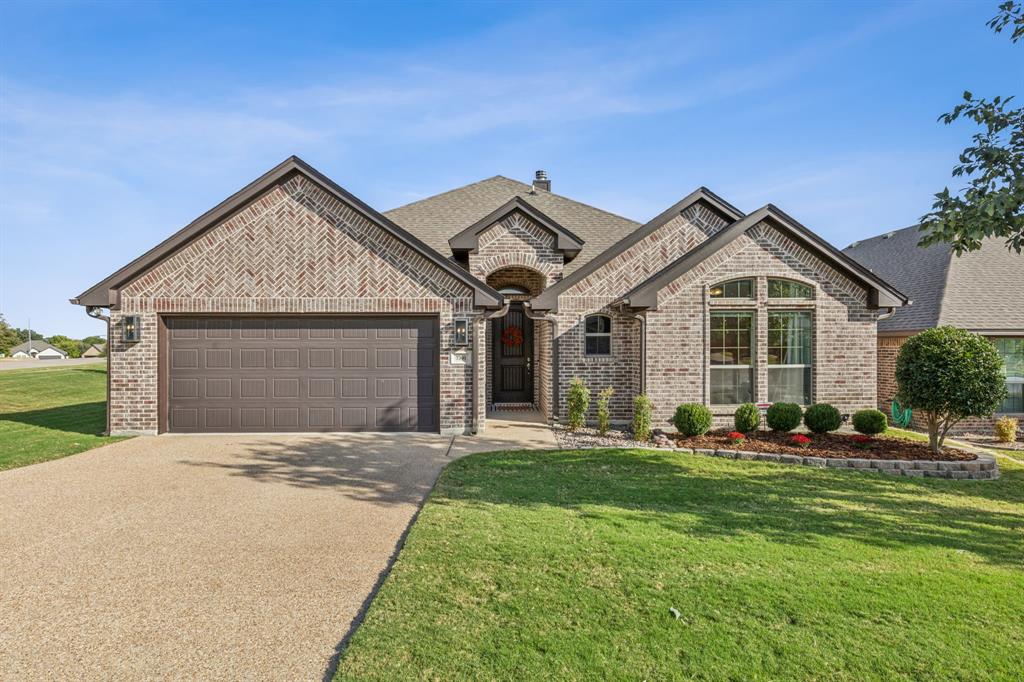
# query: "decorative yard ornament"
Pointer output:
{"type": "Point", "coordinates": [512, 336]}
{"type": "Point", "coordinates": [901, 417]}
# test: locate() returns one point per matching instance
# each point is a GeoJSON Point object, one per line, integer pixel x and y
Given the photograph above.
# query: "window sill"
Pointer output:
{"type": "Point", "coordinates": [597, 359]}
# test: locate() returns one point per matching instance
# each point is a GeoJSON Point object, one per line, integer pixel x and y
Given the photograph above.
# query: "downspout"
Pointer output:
{"type": "Point", "coordinates": [94, 312]}
{"type": "Point", "coordinates": [887, 315]}
{"type": "Point", "coordinates": [641, 317]}
{"type": "Point", "coordinates": [533, 315]}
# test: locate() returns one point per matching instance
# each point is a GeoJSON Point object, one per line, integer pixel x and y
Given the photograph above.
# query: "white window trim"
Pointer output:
{"type": "Point", "coordinates": [747, 311]}
{"type": "Point", "coordinates": [588, 335]}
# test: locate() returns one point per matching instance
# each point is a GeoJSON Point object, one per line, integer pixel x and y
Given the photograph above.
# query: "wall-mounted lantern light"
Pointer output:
{"type": "Point", "coordinates": [461, 334]}
{"type": "Point", "coordinates": [131, 330]}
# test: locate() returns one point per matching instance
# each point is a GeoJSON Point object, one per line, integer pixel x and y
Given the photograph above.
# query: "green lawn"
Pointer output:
{"type": "Point", "coordinates": [534, 565]}
{"type": "Point", "coordinates": [51, 413]}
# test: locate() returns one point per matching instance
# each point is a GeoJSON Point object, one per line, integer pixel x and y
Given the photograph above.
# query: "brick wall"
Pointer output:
{"type": "Point", "coordinates": [295, 249]}
{"type": "Point", "coordinates": [843, 328]}
{"type": "Point", "coordinates": [594, 293]}
{"type": "Point", "coordinates": [516, 240]}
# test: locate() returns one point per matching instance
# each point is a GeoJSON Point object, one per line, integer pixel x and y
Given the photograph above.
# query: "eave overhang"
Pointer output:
{"type": "Point", "coordinates": [879, 293]}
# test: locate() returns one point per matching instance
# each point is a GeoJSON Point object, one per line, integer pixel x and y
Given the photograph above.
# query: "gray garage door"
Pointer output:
{"type": "Point", "coordinates": [301, 374]}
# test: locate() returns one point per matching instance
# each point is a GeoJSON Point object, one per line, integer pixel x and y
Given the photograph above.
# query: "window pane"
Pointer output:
{"type": "Point", "coordinates": [732, 385]}
{"type": "Point", "coordinates": [789, 338]}
{"type": "Point", "coordinates": [1014, 401]}
{"type": "Point", "coordinates": [598, 324]}
{"type": "Point", "coordinates": [1012, 351]}
{"type": "Point", "coordinates": [731, 338]}
{"type": "Point", "coordinates": [599, 345]}
{"type": "Point", "coordinates": [789, 385]}
{"type": "Point", "coordinates": [738, 288]}
{"type": "Point", "coordinates": [784, 288]}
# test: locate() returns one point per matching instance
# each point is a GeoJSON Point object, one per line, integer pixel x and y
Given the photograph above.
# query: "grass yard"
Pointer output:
{"type": "Point", "coordinates": [51, 413]}
{"type": "Point", "coordinates": [539, 565]}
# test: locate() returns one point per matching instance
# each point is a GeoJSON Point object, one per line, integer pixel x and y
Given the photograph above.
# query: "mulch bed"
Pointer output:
{"type": "Point", "coordinates": [837, 445]}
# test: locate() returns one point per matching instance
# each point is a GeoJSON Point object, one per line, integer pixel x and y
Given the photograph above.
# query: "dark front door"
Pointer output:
{"type": "Point", "coordinates": [512, 336]}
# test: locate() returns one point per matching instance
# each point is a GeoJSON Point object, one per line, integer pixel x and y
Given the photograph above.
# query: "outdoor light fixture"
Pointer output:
{"type": "Point", "coordinates": [461, 334]}
{"type": "Point", "coordinates": [131, 330]}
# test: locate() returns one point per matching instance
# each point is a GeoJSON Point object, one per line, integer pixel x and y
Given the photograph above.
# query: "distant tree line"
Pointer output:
{"type": "Point", "coordinates": [12, 336]}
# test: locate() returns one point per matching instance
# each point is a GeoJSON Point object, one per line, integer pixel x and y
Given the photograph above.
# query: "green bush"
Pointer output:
{"type": "Point", "coordinates": [604, 418]}
{"type": "Point", "coordinates": [946, 374]}
{"type": "Point", "coordinates": [692, 419]}
{"type": "Point", "coordinates": [579, 403]}
{"type": "Point", "coordinates": [642, 418]}
{"type": "Point", "coordinates": [822, 418]}
{"type": "Point", "coordinates": [1006, 430]}
{"type": "Point", "coordinates": [870, 422]}
{"type": "Point", "coordinates": [784, 416]}
{"type": "Point", "coordinates": [747, 418]}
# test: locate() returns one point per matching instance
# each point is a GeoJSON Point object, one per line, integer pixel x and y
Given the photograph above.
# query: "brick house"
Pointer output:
{"type": "Point", "coordinates": [981, 291]}
{"type": "Point", "coordinates": [294, 306]}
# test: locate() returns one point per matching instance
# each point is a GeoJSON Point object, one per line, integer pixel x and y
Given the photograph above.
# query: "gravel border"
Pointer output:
{"type": "Point", "coordinates": [984, 468]}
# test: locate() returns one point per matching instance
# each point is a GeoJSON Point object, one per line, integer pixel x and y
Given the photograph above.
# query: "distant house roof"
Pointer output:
{"type": "Point", "coordinates": [438, 218]}
{"type": "Point", "coordinates": [38, 344]}
{"type": "Point", "coordinates": [980, 290]}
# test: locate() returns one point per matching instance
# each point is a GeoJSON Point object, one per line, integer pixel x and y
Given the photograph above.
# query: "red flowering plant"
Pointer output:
{"type": "Point", "coordinates": [736, 437]}
{"type": "Point", "coordinates": [800, 440]}
{"type": "Point", "coordinates": [861, 441]}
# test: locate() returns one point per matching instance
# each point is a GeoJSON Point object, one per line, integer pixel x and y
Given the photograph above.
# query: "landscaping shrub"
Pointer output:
{"type": "Point", "coordinates": [603, 414]}
{"type": "Point", "coordinates": [692, 419]}
{"type": "Point", "coordinates": [579, 402]}
{"type": "Point", "coordinates": [642, 418]}
{"type": "Point", "coordinates": [870, 422]}
{"type": "Point", "coordinates": [747, 418]}
{"type": "Point", "coordinates": [800, 440]}
{"type": "Point", "coordinates": [822, 418]}
{"type": "Point", "coordinates": [784, 416]}
{"type": "Point", "coordinates": [736, 437]}
{"type": "Point", "coordinates": [946, 374]}
{"type": "Point", "coordinates": [1006, 430]}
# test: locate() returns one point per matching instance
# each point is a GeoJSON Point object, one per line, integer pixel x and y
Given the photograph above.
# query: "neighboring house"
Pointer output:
{"type": "Point", "coordinates": [96, 350]}
{"type": "Point", "coordinates": [39, 349]}
{"type": "Point", "coordinates": [294, 306]}
{"type": "Point", "coordinates": [981, 291]}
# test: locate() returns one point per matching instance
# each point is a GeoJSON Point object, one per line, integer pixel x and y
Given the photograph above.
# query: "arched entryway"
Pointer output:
{"type": "Point", "coordinates": [512, 348]}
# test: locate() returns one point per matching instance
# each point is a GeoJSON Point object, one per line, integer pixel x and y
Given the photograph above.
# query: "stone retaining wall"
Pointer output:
{"type": "Point", "coordinates": [983, 468]}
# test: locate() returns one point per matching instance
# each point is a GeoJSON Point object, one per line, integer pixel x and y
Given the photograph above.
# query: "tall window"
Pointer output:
{"type": "Point", "coordinates": [732, 357]}
{"type": "Point", "coordinates": [789, 357]}
{"type": "Point", "coordinates": [786, 288]}
{"type": "Point", "coordinates": [737, 288]}
{"type": "Point", "coordinates": [598, 335]}
{"type": "Point", "coordinates": [1012, 350]}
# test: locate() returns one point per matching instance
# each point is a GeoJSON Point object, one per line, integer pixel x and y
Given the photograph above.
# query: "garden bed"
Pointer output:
{"type": "Point", "coordinates": [837, 445]}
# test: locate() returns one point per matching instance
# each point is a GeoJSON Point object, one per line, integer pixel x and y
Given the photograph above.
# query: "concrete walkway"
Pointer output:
{"type": "Point", "coordinates": [210, 557]}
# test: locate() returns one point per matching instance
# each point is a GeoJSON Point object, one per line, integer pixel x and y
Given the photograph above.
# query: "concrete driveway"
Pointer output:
{"type": "Point", "coordinates": [203, 557]}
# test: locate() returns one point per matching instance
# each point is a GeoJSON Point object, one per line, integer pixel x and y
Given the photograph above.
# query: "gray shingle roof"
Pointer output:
{"type": "Point", "coordinates": [37, 344]}
{"type": "Point", "coordinates": [440, 217]}
{"type": "Point", "coordinates": [981, 290]}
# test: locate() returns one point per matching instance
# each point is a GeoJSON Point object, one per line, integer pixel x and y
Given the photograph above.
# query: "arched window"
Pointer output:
{"type": "Point", "coordinates": [597, 335]}
{"type": "Point", "coordinates": [787, 288]}
{"type": "Point", "coordinates": [737, 288]}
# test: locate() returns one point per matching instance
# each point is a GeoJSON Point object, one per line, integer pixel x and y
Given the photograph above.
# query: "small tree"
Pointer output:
{"type": "Point", "coordinates": [579, 402]}
{"type": "Point", "coordinates": [948, 374]}
{"type": "Point", "coordinates": [66, 344]}
{"type": "Point", "coordinates": [642, 418]}
{"type": "Point", "coordinates": [604, 416]}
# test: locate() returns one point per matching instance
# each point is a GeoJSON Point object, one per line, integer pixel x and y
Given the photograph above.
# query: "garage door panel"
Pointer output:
{"type": "Point", "coordinates": [299, 374]}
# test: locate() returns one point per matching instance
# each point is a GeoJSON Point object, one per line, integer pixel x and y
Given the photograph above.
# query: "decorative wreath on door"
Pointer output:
{"type": "Point", "coordinates": [512, 336]}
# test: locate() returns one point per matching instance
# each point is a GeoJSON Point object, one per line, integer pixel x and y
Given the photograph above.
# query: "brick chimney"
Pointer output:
{"type": "Point", "coordinates": [540, 181]}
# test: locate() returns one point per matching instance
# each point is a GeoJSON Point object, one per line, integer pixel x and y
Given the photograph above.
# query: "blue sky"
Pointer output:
{"type": "Point", "coordinates": [121, 122]}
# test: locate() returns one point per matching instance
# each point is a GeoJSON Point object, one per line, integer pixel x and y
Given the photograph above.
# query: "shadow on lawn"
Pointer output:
{"type": "Point", "coordinates": [86, 418]}
{"type": "Point", "coordinates": [786, 504]}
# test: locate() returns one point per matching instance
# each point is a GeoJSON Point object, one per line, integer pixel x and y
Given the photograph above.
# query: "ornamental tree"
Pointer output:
{"type": "Point", "coordinates": [948, 374]}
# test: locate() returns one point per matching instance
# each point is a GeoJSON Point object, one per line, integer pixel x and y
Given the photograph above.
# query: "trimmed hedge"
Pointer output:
{"type": "Point", "coordinates": [870, 422]}
{"type": "Point", "coordinates": [784, 416]}
{"type": "Point", "coordinates": [692, 419]}
{"type": "Point", "coordinates": [822, 418]}
{"type": "Point", "coordinates": [747, 418]}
